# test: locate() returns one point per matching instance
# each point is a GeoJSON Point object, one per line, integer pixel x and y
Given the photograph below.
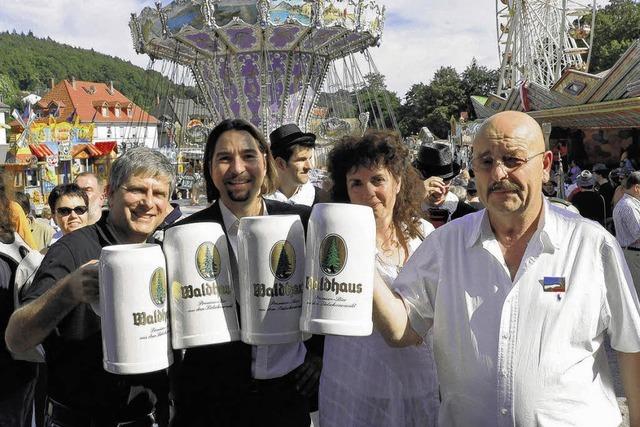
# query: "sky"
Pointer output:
{"type": "Point", "coordinates": [420, 35]}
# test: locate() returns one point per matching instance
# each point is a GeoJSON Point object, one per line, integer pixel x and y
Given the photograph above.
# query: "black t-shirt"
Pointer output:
{"type": "Point", "coordinates": [462, 209]}
{"type": "Point", "coordinates": [12, 372]}
{"type": "Point", "coordinates": [590, 205]}
{"type": "Point", "coordinates": [76, 376]}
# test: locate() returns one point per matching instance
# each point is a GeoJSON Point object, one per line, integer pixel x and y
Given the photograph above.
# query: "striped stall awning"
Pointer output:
{"type": "Point", "coordinates": [41, 151]}
{"type": "Point", "coordinates": [107, 147]}
{"type": "Point", "coordinates": [85, 151]}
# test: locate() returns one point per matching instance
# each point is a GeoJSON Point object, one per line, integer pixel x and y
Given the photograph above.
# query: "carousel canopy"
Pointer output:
{"type": "Point", "coordinates": [264, 61]}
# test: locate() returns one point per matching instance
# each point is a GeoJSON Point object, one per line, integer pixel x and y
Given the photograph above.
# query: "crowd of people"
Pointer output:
{"type": "Point", "coordinates": [491, 303]}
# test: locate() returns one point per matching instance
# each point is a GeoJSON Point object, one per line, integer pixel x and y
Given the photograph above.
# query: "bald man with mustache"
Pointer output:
{"type": "Point", "coordinates": [520, 297]}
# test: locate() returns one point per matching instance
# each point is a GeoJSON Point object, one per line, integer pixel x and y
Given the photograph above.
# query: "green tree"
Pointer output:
{"type": "Point", "coordinates": [332, 259]}
{"type": "Point", "coordinates": [159, 285]}
{"type": "Point", "coordinates": [413, 113]}
{"type": "Point", "coordinates": [617, 26]}
{"type": "Point", "coordinates": [284, 265]}
{"type": "Point", "coordinates": [378, 101]}
{"type": "Point", "coordinates": [432, 105]}
{"type": "Point", "coordinates": [209, 264]}
{"type": "Point", "coordinates": [478, 80]}
{"type": "Point", "coordinates": [9, 93]}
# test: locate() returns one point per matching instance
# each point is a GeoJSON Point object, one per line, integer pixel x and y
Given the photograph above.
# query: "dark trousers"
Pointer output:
{"type": "Point", "coordinates": [59, 415]}
{"type": "Point", "coordinates": [262, 403]}
{"type": "Point", "coordinates": [16, 408]}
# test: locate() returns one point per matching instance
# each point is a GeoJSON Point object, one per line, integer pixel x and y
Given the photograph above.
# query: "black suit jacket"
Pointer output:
{"type": "Point", "coordinates": [223, 371]}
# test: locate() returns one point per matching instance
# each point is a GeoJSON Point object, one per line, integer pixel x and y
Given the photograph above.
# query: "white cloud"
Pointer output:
{"type": "Point", "coordinates": [420, 35]}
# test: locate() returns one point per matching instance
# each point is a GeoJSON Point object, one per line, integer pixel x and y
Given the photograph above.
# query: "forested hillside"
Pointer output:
{"type": "Point", "coordinates": [28, 64]}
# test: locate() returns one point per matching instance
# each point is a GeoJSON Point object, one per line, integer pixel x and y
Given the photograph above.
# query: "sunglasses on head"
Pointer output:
{"type": "Point", "coordinates": [79, 210]}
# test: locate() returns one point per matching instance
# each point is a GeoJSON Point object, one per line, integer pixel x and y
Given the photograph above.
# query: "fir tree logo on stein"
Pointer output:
{"type": "Point", "coordinates": [333, 255]}
{"type": "Point", "coordinates": [208, 261]}
{"type": "Point", "coordinates": [158, 287]}
{"type": "Point", "coordinates": [283, 260]}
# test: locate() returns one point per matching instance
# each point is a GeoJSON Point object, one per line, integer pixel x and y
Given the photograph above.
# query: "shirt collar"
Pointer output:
{"type": "Point", "coordinates": [107, 230]}
{"type": "Point", "coordinates": [304, 195]}
{"type": "Point", "coordinates": [548, 231]}
{"type": "Point", "coordinates": [629, 198]}
{"type": "Point", "coordinates": [229, 218]}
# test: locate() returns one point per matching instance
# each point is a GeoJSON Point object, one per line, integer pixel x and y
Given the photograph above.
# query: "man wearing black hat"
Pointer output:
{"type": "Point", "coordinates": [292, 151]}
{"type": "Point", "coordinates": [437, 166]}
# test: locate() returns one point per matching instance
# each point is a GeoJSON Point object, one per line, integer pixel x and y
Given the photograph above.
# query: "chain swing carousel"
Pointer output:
{"type": "Point", "coordinates": [271, 63]}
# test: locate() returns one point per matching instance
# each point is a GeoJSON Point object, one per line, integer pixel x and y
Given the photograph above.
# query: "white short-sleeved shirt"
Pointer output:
{"type": "Point", "coordinates": [626, 218]}
{"type": "Point", "coordinates": [509, 353]}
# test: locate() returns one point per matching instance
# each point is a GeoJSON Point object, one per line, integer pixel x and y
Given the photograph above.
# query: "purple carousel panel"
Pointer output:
{"type": "Point", "coordinates": [203, 41]}
{"type": "Point", "coordinates": [284, 36]}
{"type": "Point", "coordinates": [276, 72]}
{"type": "Point", "coordinates": [215, 91]}
{"type": "Point", "coordinates": [243, 38]}
{"type": "Point", "coordinates": [225, 72]}
{"type": "Point", "coordinates": [250, 75]}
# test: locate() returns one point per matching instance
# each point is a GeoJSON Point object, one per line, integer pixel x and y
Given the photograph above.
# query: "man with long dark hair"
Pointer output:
{"type": "Point", "coordinates": [237, 384]}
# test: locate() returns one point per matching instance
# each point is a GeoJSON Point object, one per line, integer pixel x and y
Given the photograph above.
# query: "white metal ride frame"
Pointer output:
{"type": "Point", "coordinates": [538, 39]}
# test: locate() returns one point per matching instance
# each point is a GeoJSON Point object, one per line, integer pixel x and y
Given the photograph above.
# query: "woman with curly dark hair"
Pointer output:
{"type": "Point", "coordinates": [364, 381]}
{"type": "Point", "coordinates": [18, 377]}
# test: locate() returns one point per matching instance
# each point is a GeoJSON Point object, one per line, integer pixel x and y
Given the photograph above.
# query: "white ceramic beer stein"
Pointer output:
{"type": "Point", "coordinates": [338, 291]}
{"type": "Point", "coordinates": [271, 269]}
{"type": "Point", "coordinates": [133, 306]}
{"type": "Point", "coordinates": [202, 300]}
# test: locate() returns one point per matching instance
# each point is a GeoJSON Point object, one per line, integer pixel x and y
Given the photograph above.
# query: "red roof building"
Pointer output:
{"type": "Point", "coordinates": [92, 103]}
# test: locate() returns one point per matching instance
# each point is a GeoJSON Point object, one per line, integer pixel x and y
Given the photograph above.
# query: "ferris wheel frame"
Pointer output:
{"type": "Point", "coordinates": [539, 39]}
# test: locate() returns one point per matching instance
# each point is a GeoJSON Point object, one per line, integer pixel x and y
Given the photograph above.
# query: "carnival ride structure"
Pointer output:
{"type": "Point", "coordinates": [539, 39]}
{"type": "Point", "coordinates": [268, 62]}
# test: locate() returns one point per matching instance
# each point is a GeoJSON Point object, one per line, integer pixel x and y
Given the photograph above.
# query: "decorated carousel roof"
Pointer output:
{"type": "Point", "coordinates": [579, 100]}
{"type": "Point", "coordinates": [186, 29]}
{"type": "Point", "coordinates": [260, 60]}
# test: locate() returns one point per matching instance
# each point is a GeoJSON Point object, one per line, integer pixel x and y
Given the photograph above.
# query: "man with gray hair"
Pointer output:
{"type": "Point", "coordinates": [626, 218]}
{"type": "Point", "coordinates": [58, 315]}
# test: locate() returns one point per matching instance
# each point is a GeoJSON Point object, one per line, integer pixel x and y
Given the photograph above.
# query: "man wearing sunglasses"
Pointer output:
{"type": "Point", "coordinates": [57, 311]}
{"type": "Point", "coordinates": [520, 298]}
{"type": "Point", "coordinates": [69, 204]}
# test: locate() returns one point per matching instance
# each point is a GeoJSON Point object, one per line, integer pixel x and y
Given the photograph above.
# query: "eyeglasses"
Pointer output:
{"type": "Point", "coordinates": [79, 210]}
{"type": "Point", "coordinates": [508, 163]}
